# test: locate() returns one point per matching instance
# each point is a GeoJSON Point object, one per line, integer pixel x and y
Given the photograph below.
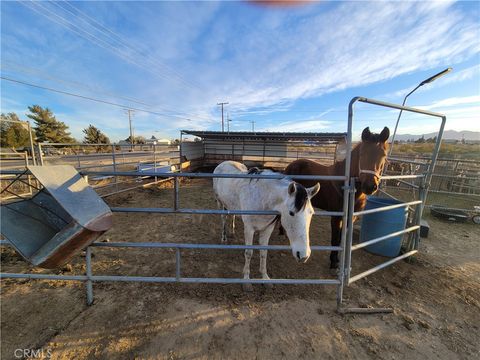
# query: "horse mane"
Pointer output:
{"type": "Point", "coordinates": [254, 170]}
{"type": "Point", "coordinates": [301, 195]}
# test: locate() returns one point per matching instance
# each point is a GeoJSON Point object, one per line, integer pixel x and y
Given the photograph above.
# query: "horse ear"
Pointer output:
{"type": "Point", "coordinates": [312, 191]}
{"type": "Point", "coordinates": [385, 134]}
{"type": "Point", "coordinates": [292, 188]}
{"type": "Point", "coordinates": [366, 134]}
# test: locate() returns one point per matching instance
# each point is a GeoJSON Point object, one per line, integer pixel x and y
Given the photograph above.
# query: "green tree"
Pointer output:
{"type": "Point", "coordinates": [94, 136]}
{"type": "Point", "coordinates": [48, 128]}
{"type": "Point", "coordinates": [13, 135]}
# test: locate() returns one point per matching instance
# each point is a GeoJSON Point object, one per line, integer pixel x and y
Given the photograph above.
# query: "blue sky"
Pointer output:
{"type": "Point", "coordinates": [286, 68]}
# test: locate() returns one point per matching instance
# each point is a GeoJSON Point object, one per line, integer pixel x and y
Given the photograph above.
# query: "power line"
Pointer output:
{"type": "Point", "coordinates": [30, 71]}
{"type": "Point", "coordinates": [81, 31]}
{"type": "Point", "coordinates": [96, 40]}
{"type": "Point", "coordinates": [105, 30]}
{"type": "Point", "coordinates": [92, 99]}
{"type": "Point", "coordinates": [40, 74]}
{"type": "Point", "coordinates": [115, 49]}
{"type": "Point", "coordinates": [76, 29]}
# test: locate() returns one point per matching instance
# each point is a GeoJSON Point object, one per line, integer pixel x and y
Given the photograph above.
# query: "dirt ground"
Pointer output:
{"type": "Point", "coordinates": [435, 297]}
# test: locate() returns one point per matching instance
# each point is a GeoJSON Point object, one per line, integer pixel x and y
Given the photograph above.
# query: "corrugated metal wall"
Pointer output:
{"type": "Point", "coordinates": [268, 153]}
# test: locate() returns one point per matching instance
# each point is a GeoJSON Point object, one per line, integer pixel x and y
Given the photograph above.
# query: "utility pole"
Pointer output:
{"type": "Point", "coordinates": [132, 138]}
{"type": "Point", "coordinates": [221, 104]}
{"type": "Point", "coordinates": [228, 122]}
{"type": "Point", "coordinates": [253, 125]}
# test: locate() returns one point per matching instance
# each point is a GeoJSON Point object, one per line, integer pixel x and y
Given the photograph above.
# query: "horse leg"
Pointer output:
{"type": "Point", "coordinates": [233, 225]}
{"type": "Point", "coordinates": [263, 239]}
{"type": "Point", "coordinates": [224, 220]}
{"type": "Point", "coordinates": [249, 232]}
{"type": "Point", "coordinates": [336, 225]}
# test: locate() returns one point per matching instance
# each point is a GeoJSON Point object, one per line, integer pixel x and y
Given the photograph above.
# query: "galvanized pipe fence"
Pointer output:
{"type": "Point", "coordinates": [457, 182]}
{"type": "Point", "coordinates": [345, 247]}
{"type": "Point", "coordinates": [89, 278]}
{"type": "Point", "coordinates": [115, 154]}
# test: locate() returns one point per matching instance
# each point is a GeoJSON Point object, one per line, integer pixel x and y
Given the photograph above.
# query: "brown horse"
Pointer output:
{"type": "Point", "coordinates": [367, 161]}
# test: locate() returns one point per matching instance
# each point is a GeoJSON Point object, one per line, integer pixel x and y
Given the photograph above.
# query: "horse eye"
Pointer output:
{"type": "Point", "coordinates": [291, 213]}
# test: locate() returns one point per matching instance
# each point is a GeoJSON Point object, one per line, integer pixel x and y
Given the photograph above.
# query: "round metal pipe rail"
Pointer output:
{"type": "Point", "coordinates": [207, 246]}
{"type": "Point", "coordinates": [386, 208]}
{"type": "Point", "coordinates": [381, 266]}
{"type": "Point", "coordinates": [211, 175]}
{"type": "Point", "coordinates": [396, 177]}
{"type": "Point", "coordinates": [385, 237]}
{"type": "Point", "coordinates": [195, 175]}
{"type": "Point", "coordinates": [155, 279]}
{"type": "Point", "coordinates": [212, 211]}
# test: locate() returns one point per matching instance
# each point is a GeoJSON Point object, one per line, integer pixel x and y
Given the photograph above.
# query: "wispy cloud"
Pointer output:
{"type": "Point", "coordinates": [327, 57]}
{"type": "Point", "coordinates": [454, 101]}
{"type": "Point", "coordinates": [462, 114]}
{"type": "Point", "coordinates": [299, 126]}
{"type": "Point", "coordinates": [454, 78]}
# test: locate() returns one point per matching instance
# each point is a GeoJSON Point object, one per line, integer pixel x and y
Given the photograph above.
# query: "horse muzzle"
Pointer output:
{"type": "Point", "coordinates": [370, 188]}
{"type": "Point", "coordinates": [301, 258]}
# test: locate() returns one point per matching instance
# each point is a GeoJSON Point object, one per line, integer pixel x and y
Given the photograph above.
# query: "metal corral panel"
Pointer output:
{"type": "Point", "coordinates": [61, 219]}
{"type": "Point", "coordinates": [159, 168]}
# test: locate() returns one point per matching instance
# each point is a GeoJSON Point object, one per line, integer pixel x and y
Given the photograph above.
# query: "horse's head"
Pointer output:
{"type": "Point", "coordinates": [373, 153]}
{"type": "Point", "coordinates": [296, 215]}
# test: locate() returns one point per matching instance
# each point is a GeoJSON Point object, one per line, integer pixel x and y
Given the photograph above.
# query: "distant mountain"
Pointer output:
{"type": "Point", "coordinates": [447, 135]}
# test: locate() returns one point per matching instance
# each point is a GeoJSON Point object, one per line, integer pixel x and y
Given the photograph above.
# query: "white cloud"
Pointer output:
{"type": "Point", "coordinates": [475, 99]}
{"type": "Point", "coordinates": [327, 55]}
{"type": "Point", "coordinates": [452, 78]}
{"type": "Point", "coordinates": [299, 126]}
{"type": "Point", "coordinates": [462, 114]}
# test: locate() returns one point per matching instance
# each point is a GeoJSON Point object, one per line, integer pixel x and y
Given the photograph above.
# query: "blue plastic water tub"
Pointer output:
{"type": "Point", "coordinates": [381, 224]}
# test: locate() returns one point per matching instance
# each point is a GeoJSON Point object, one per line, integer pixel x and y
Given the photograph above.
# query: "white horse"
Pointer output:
{"type": "Point", "coordinates": [289, 198]}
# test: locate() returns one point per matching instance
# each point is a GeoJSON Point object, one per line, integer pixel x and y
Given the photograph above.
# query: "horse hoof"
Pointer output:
{"type": "Point", "coordinates": [334, 271]}
{"type": "Point", "coordinates": [247, 287]}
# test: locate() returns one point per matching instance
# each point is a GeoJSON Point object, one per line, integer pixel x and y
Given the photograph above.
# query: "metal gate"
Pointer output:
{"type": "Point", "coordinates": [412, 229]}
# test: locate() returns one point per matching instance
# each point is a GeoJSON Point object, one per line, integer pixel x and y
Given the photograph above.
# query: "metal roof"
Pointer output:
{"type": "Point", "coordinates": [244, 135]}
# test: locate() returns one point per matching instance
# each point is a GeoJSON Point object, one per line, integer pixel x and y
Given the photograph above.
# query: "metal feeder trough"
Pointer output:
{"type": "Point", "coordinates": [65, 216]}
